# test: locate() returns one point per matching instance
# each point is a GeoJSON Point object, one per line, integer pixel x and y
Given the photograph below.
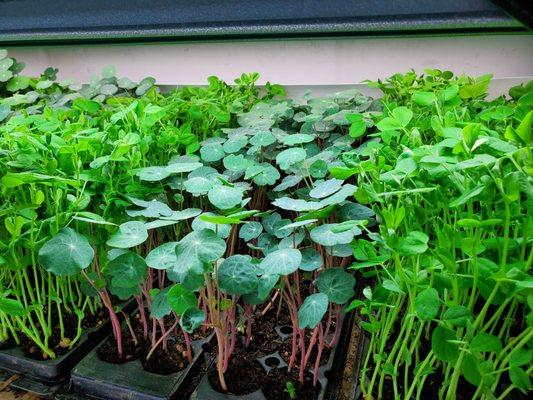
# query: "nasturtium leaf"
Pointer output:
{"type": "Point", "coordinates": [11, 307]}
{"type": "Point", "coordinates": [129, 234]}
{"type": "Point", "coordinates": [262, 174]}
{"type": "Point", "coordinates": [358, 125]}
{"type": "Point", "coordinates": [288, 182]}
{"type": "Point", "coordinates": [66, 254]}
{"type": "Point", "coordinates": [144, 86]}
{"type": "Point", "coordinates": [354, 211]}
{"type": "Point", "coordinates": [414, 243]}
{"type": "Point", "coordinates": [159, 307]}
{"type": "Point", "coordinates": [198, 248]}
{"type": "Point", "coordinates": [483, 342]}
{"type": "Point", "coordinates": [201, 222]}
{"type": "Point", "coordinates": [427, 304]}
{"type": "Point", "coordinates": [325, 236]}
{"type": "Point", "coordinates": [152, 209]}
{"type": "Point", "coordinates": [153, 174]}
{"type": "Point", "coordinates": [337, 284]}
{"type": "Point", "coordinates": [108, 89]}
{"type": "Point", "coordinates": [237, 275]}
{"type": "Point", "coordinates": [191, 319]}
{"type": "Point", "coordinates": [457, 315]}
{"type": "Point", "coordinates": [299, 224]}
{"type": "Point", "coordinates": [312, 310]}
{"type": "Point", "coordinates": [235, 143]}
{"type": "Point", "coordinates": [311, 260]}
{"type": "Point", "coordinates": [183, 167]}
{"type": "Point", "coordinates": [442, 346]}
{"type": "Point", "coordinates": [125, 83]}
{"type": "Point", "coordinates": [183, 214]}
{"type": "Point", "coordinates": [236, 163]}
{"type": "Point", "coordinates": [290, 156]}
{"type": "Point", "coordinates": [180, 299]}
{"type": "Point", "coordinates": [127, 270]}
{"type": "Point", "coordinates": [299, 205]}
{"type": "Point", "coordinates": [225, 197]}
{"type": "Point", "coordinates": [262, 139]}
{"type": "Point", "coordinates": [250, 230]}
{"type": "Point", "coordinates": [198, 185]}
{"type": "Point", "coordinates": [114, 253]}
{"type": "Point", "coordinates": [212, 152]}
{"type": "Point", "coordinates": [124, 293]}
{"type": "Point", "coordinates": [297, 138]}
{"type": "Point", "coordinates": [326, 188]}
{"type": "Point", "coordinates": [266, 284]}
{"type": "Point", "coordinates": [318, 169]}
{"type": "Point", "coordinates": [162, 257]}
{"type": "Point", "coordinates": [281, 262]}
{"type": "Point", "coordinates": [338, 197]}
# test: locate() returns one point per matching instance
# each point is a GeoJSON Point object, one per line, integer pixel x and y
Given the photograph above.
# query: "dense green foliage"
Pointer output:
{"type": "Point", "coordinates": [208, 205]}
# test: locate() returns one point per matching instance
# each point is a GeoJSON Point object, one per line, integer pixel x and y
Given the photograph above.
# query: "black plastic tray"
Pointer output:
{"type": "Point", "coordinates": [206, 392]}
{"type": "Point", "coordinates": [98, 379]}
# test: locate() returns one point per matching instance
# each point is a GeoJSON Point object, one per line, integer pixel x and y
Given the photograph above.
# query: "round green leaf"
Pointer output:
{"type": "Point", "coordinates": [237, 275]}
{"type": "Point", "coordinates": [127, 270]}
{"type": "Point", "coordinates": [318, 169]}
{"type": "Point", "coordinates": [235, 163]}
{"type": "Point", "coordinates": [11, 307]}
{"type": "Point", "coordinates": [159, 308]}
{"type": "Point", "coordinates": [198, 248]}
{"type": "Point", "coordinates": [457, 315]}
{"type": "Point", "coordinates": [427, 304]}
{"type": "Point", "coordinates": [289, 157]}
{"type": "Point", "coordinates": [153, 174]}
{"type": "Point", "coordinates": [198, 185]}
{"type": "Point", "coordinates": [250, 230]}
{"type": "Point", "coordinates": [288, 182]}
{"type": "Point", "coordinates": [312, 310]}
{"type": "Point", "coordinates": [235, 143]}
{"type": "Point", "coordinates": [129, 234]}
{"type": "Point", "coordinates": [18, 83]}
{"type": "Point", "coordinates": [337, 284]}
{"type": "Point", "coordinates": [325, 236]}
{"type": "Point", "coordinates": [163, 257]}
{"type": "Point", "coordinates": [297, 138]}
{"type": "Point", "coordinates": [191, 319]}
{"type": "Point", "coordinates": [66, 254]}
{"type": "Point", "coordinates": [414, 243]}
{"type": "Point", "coordinates": [212, 152]}
{"type": "Point", "coordinates": [298, 205]}
{"type": "Point", "coordinates": [281, 262]}
{"type": "Point", "coordinates": [180, 299]}
{"type": "Point", "coordinates": [225, 197]}
{"type": "Point", "coordinates": [311, 260]}
{"type": "Point", "coordinates": [262, 139]}
{"type": "Point", "coordinates": [262, 174]}
{"type": "Point", "coordinates": [199, 223]}
{"type": "Point", "coordinates": [326, 188]}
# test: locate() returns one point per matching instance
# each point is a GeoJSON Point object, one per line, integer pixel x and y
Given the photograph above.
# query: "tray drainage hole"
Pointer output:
{"type": "Point", "coordinates": [286, 330]}
{"type": "Point", "coordinates": [272, 362]}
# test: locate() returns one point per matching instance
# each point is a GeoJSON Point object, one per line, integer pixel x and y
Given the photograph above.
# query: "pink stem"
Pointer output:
{"type": "Point", "coordinates": [337, 331]}
{"type": "Point", "coordinates": [311, 344]}
{"type": "Point", "coordinates": [248, 316]}
{"type": "Point", "coordinates": [164, 334]}
{"type": "Point", "coordinates": [319, 355]}
{"type": "Point", "coordinates": [161, 339]}
{"type": "Point", "coordinates": [188, 344]}
{"type": "Point", "coordinates": [142, 314]}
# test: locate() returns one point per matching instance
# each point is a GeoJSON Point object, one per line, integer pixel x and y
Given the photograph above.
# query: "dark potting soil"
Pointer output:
{"type": "Point", "coordinates": [161, 362]}
{"type": "Point", "coordinates": [56, 343]}
{"type": "Point", "coordinates": [275, 387]}
{"type": "Point", "coordinates": [243, 376]}
{"type": "Point", "coordinates": [9, 343]}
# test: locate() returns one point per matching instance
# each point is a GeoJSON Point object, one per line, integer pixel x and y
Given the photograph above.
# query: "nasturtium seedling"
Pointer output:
{"type": "Point", "coordinates": [326, 188]}
{"type": "Point", "coordinates": [127, 270]}
{"type": "Point", "coordinates": [225, 197]}
{"type": "Point", "coordinates": [337, 284]}
{"type": "Point", "coordinates": [281, 262]}
{"type": "Point", "coordinates": [312, 310]}
{"type": "Point", "coordinates": [197, 250]}
{"type": "Point", "coordinates": [250, 230]}
{"type": "Point", "coordinates": [66, 254]}
{"type": "Point", "coordinates": [180, 299]}
{"type": "Point", "coordinates": [192, 319]}
{"type": "Point", "coordinates": [163, 257]}
{"type": "Point", "coordinates": [129, 234]}
{"type": "Point", "coordinates": [325, 236]}
{"type": "Point", "coordinates": [237, 275]}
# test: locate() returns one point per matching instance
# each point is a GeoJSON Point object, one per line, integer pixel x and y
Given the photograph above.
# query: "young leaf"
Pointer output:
{"type": "Point", "coordinates": [127, 270]}
{"type": "Point", "coordinates": [198, 248]}
{"type": "Point", "coordinates": [237, 275]}
{"type": "Point", "coordinates": [180, 299]}
{"type": "Point", "coordinates": [66, 254]}
{"type": "Point", "coordinates": [312, 310]}
{"type": "Point", "coordinates": [163, 257]}
{"type": "Point", "coordinates": [337, 284]}
{"type": "Point", "coordinates": [281, 262]}
{"type": "Point", "coordinates": [129, 234]}
{"type": "Point", "coordinates": [427, 304]}
{"type": "Point", "coordinates": [191, 319]}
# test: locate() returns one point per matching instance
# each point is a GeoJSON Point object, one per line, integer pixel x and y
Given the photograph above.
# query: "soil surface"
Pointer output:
{"type": "Point", "coordinates": [56, 343]}
{"type": "Point", "coordinates": [279, 381]}
{"type": "Point", "coordinates": [243, 376]}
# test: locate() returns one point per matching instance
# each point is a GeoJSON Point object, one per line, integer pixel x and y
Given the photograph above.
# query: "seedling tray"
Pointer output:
{"type": "Point", "coordinates": [44, 376]}
{"type": "Point", "coordinates": [57, 370]}
{"type": "Point", "coordinates": [326, 373]}
{"type": "Point", "coordinates": [102, 380]}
